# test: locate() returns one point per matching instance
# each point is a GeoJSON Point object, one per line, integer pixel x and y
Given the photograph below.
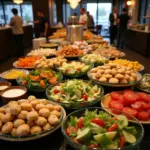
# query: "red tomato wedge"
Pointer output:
{"type": "Point", "coordinates": [80, 123]}
{"type": "Point", "coordinates": [143, 115]}
{"type": "Point", "coordinates": [116, 105]}
{"type": "Point", "coordinates": [98, 121]}
{"type": "Point", "coordinates": [114, 127]}
{"type": "Point", "coordinates": [71, 130]}
{"type": "Point", "coordinates": [122, 142]}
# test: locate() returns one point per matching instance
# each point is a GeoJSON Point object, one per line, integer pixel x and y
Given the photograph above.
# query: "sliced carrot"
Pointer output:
{"type": "Point", "coordinates": [42, 84]}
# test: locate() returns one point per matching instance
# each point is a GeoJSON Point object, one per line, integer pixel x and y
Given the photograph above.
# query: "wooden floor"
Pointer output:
{"type": "Point", "coordinates": [130, 54]}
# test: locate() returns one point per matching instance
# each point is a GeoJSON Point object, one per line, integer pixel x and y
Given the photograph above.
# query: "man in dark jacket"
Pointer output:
{"type": "Point", "coordinates": [113, 17]}
{"type": "Point", "coordinates": [123, 21]}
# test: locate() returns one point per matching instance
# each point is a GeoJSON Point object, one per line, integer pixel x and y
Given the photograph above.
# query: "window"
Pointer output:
{"type": "Point", "coordinates": [27, 12]}
{"type": "Point", "coordinates": [24, 10]}
{"type": "Point", "coordinates": [2, 17]}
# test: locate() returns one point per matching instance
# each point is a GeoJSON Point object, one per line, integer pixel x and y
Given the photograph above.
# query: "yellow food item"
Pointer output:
{"type": "Point", "coordinates": [13, 74]}
{"type": "Point", "coordinates": [132, 64]}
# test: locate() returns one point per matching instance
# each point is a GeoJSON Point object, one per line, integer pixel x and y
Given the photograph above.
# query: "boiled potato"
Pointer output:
{"type": "Point", "coordinates": [23, 114]}
{"type": "Point", "coordinates": [33, 115]}
{"type": "Point", "coordinates": [53, 119]}
{"type": "Point", "coordinates": [44, 112]}
{"type": "Point", "coordinates": [7, 127]}
{"type": "Point", "coordinates": [41, 121]}
{"type": "Point", "coordinates": [7, 118]}
{"type": "Point", "coordinates": [23, 130]}
{"type": "Point", "coordinates": [47, 127]}
{"type": "Point", "coordinates": [26, 106]}
{"type": "Point", "coordinates": [18, 122]}
{"type": "Point", "coordinates": [36, 129]}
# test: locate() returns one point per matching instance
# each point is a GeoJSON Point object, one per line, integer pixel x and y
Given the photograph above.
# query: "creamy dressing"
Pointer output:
{"type": "Point", "coordinates": [13, 93]}
{"type": "Point", "coordinates": [3, 87]}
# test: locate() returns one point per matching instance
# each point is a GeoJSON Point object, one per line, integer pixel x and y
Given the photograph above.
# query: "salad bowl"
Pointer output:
{"type": "Point", "coordinates": [74, 69]}
{"type": "Point", "coordinates": [75, 94]}
{"type": "Point", "coordinates": [94, 128]}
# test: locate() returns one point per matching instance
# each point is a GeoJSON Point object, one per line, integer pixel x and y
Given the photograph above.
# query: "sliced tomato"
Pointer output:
{"type": "Point", "coordinates": [85, 97]}
{"type": "Point", "coordinates": [56, 91]}
{"type": "Point", "coordinates": [122, 142]}
{"type": "Point", "coordinates": [130, 111]}
{"type": "Point", "coordinates": [116, 107]}
{"type": "Point", "coordinates": [24, 82]}
{"type": "Point", "coordinates": [98, 121]}
{"type": "Point", "coordinates": [58, 100]}
{"type": "Point", "coordinates": [129, 98]}
{"type": "Point", "coordinates": [144, 97]}
{"type": "Point", "coordinates": [80, 123]}
{"type": "Point", "coordinates": [114, 127]}
{"type": "Point", "coordinates": [143, 115]}
{"type": "Point", "coordinates": [137, 105]}
{"type": "Point", "coordinates": [71, 130]}
{"type": "Point", "coordinates": [144, 105]}
{"type": "Point", "coordinates": [42, 84]}
{"type": "Point", "coordinates": [115, 95]}
{"type": "Point", "coordinates": [93, 146]}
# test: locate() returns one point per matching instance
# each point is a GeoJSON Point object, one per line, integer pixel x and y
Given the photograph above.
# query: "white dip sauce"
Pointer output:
{"type": "Point", "coordinates": [13, 93]}
{"type": "Point", "coordinates": [3, 87]}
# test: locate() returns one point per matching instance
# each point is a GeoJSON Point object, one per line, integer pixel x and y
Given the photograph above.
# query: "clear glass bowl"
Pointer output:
{"type": "Point", "coordinates": [77, 146]}
{"type": "Point", "coordinates": [77, 105]}
{"type": "Point", "coordinates": [8, 137]}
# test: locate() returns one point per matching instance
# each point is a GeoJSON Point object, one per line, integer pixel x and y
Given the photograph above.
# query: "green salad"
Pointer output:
{"type": "Point", "coordinates": [73, 91]}
{"type": "Point", "coordinates": [74, 68]}
{"type": "Point", "coordinates": [98, 129]}
{"type": "Point", "coordinates": [94, 59]}
{"type": "Point", "coordinates": [144, 84]}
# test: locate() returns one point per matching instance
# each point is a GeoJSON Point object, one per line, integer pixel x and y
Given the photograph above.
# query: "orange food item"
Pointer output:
{"type": "Point", "coordinates": [34, 78]}
{"type": "Point", "coordinates": [53, 80]}
{"type": "Point", "coordinates": [42, 84]}
{"type": "Point", "coordinates": [27, 61]}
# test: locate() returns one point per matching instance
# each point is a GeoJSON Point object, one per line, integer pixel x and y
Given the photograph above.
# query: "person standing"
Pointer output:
{"type": "Point", "coordinates": [17, 30]}
{"type": "Point", "coordinates": [123, 21]}
{"type": "Point", "coordinates": [83, 18]}
{"type": "Point", "coordinates": [90, 22]}
{"type": "Point", "coordinates": [43, 22]}
{"type": "Point", "coordinates": [113, 18]}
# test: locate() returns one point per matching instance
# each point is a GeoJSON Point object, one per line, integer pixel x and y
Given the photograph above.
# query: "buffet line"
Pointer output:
{"type": "Point", "coordinates": [75, 77]}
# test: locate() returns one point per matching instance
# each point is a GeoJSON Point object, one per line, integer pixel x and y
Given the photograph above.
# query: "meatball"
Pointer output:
{"type": "Point", "coordinates": [23, 130]}
{"type": "Point", "coordinates": [1, 115]}
{"type": "Point", "coordinates": [56, 113]}
{"type": "Point", "coordinates": [40, 106]}
{"type": "Point", "coordinates": [2, 110]}
{"type": "Point", "coordinates": [7, 128]}
{"type": "Point", "coordinates": [50, 107]}
{"type": "Point", "coordinates": [15, 109]}
{"type": "Point", "coordinates": [46, 127]}
{"type": "Point", "coordinates": [7, 117]}
{"type": "Point", "coordinates": [23, 114]}
{"type": "Point", "coordinates": [41, 121]}
{"type": "Point", "coordinates": [36, 129]}
{"type": "Point", "coordinates": [44, 112]}
{"type": "Point", "coordinates": [52, 119]}
{"type": "Point", "coordinates": [31, 116]}
{"type": "Point", "coordinates": [57, 107]}
{"type": "Point", "coordinates": [13, 132]}
{"type": "Point", "coordinates": [26, 106]}
{"type": "Point", "coordinates": [18, 122]}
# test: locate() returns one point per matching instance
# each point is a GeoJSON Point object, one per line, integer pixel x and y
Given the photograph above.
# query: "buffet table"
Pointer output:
{"type": "Point", "coordinates": [56, 141]}
{"type": "Point", "coordinates": [6, 43]}
{"type": "Point", "coordinates": [138, 40]}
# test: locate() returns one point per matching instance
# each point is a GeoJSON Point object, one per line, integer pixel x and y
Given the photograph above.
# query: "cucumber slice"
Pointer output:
{"type": "Point", "coordinates": [84, 135]}
{"type": "Point", "coordinates": [129, 137]}
{"type": "Point", "coordinates": [124, 121]}
{"type": "Point", "coordinates": [112, 146]}
{"type": "Point", "coordinates": [110, 135]}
